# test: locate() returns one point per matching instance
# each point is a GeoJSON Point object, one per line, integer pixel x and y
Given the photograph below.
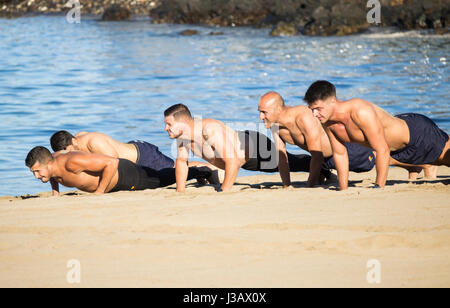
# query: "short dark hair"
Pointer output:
{"type": "Point", "coordinates": [61, 140]}
{"type": "Point", "coordinates": [320, 90]}
{"type": "Point", "coordinates": [38, 154]}
{"type": "Point", "coordinates": [178, 111]}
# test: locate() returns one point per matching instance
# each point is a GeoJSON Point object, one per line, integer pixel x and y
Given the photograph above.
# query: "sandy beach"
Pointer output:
{"type": "Point", "coordinates": [259, 235]}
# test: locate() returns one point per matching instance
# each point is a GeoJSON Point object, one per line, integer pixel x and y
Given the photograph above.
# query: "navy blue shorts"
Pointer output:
{"type": "Point", "coordinates": [149, 156]}
{"type": "Point", "coordinates": [427, 141]}
{"type": "Point", "coordinates": [361, 159]}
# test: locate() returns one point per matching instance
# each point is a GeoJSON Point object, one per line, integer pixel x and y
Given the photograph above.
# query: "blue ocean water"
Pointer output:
{"type": "Point", "coordinates": [118, 78]}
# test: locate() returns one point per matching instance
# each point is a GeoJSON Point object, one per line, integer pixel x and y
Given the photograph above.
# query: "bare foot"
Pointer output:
{"type": "Point", "coordinates": [431, 172]}
{"type": "Point", "coordinates": [413, 176]}
{"type": "Point", "coordinates": [414, 172]}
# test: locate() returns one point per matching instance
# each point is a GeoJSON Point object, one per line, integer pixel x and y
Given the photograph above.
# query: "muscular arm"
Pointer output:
{"type": "Point", "coordinates": [311, 129]}
{"type": "Point", "coordinates": [98, 145]}
{"type": "Point", "coordinates": [283, 160]}
{"type": "Point", "coordinates": [367, 120]}
{"type": "Point", "coordinates": [95, 163]}
{"type": "Point", "coordinates": [340, 156]}
{"type": "Point", "coordinates": [182, 168]}
{"type": "Point", "coordinates": [224, 148]}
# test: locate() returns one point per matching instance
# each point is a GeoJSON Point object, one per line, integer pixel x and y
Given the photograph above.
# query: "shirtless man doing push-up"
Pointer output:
{"type": "Point", "coordinates": [139, 152]}
{"type": "Point", "coordinates": [411, 139]}
{"type": "Point", "coordinates": [99, 174]}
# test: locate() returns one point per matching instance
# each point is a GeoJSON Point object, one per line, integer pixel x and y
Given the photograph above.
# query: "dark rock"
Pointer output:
{"type": "Point", "coordinates": [3, 2]}
{"type": "Point", "coordinates": [116, 13]}
{"type": "Point", "coordinates": [216, 33]}
{"type": "Point", "coordinates": [284, 29]}
{"type": "Point", "coordinates": [441, 31]}
{"type": "Point", "coordinates": [316, 17]}
{"type": "Point", "coordinates": [337, 18]}
{"type": "Point", "coordinates": [190, 32]}
{"type": "Point", "coordinates": [213, 12]}
{"type": "Point", "coordinates": [321, 14]}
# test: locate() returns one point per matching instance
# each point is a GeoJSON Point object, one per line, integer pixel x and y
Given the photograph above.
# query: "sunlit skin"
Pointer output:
{"type": "Point", "coordinates": [210, 140]}
{"type": "Point", "coordinates": [365, 123]}
{"type": "Point", "coordinates": [297, 126]}
{"type": "Point", "coordinates": [91, 173]}
{"type": "Point", "coordinates": [98, 143]}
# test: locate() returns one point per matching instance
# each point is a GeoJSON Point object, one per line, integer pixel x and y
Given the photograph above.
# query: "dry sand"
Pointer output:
{"type": "Point", "coordinates": [259, 235]}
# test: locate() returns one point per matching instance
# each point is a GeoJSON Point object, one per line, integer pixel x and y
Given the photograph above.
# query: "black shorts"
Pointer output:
{"type": "Point", "coordinates": [263, 155]}
{"type": "Point", "coordinates": [133, 177]}
{"type": "Point", "coordinates": [360, 159]}
{"type": "Point", "coordinates": [427, 141]}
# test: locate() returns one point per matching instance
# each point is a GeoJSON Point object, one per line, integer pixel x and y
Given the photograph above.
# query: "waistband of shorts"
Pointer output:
{"type": "Point", "coordinates": [135, 143]}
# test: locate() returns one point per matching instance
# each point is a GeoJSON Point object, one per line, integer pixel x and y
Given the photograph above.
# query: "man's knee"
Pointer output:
{"type": "Point", "coordinates": [445, 157]}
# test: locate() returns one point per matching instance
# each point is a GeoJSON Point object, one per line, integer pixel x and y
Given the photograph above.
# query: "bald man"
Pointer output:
{"type": "Point", "coordinates": [298, 126]}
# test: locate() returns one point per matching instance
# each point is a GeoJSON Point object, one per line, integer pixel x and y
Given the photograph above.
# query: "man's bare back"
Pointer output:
{"type": "Point", "coordinates": [98, 143]}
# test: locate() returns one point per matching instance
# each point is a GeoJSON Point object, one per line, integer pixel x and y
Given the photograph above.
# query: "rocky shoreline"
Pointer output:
{"type": "Point", "coordinates": [17, 8]}
{"type": "Point", "coordinates": [285, 17]}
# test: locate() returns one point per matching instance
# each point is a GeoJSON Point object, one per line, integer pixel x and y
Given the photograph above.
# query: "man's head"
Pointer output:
{"type": "Point", "coordinates": [321, 97]}
{"type": "Point", "coordinates": [38, 161]}
{"type": "Point", "coordinates": [270, 107]}
{"type": "Point", "coordinates": [177, 119]}
{"type": "Point", "coordinates": [63, 141]}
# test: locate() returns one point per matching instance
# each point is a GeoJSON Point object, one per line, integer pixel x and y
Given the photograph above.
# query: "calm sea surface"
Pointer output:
{"type": "Point", "coordinates": [118, 78]}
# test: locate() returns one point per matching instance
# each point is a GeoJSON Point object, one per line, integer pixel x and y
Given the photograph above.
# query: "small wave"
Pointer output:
{"type": "Point", "coordinates": [405, 34]}
{"type": "Point", "coordinates": [54, 103]}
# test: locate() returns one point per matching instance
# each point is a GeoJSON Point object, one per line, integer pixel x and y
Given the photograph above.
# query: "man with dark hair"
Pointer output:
{"type": "Point", "coordinates": [139, 152]}
{"type": "Point", "coordinates": [178, 111]}
{"type": "Point", "coordinates": [61, 140]}
{"type": "Point", "coordinates": [320, 90]}
{"type": "Point", "coordinates": [297, 126]}
{"type": "Point", "coordinates": [99, 174]}
{"type": "Point", "coordinates": [411, 139]}
{"type": "Point", "coordinates": [224, 148]}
